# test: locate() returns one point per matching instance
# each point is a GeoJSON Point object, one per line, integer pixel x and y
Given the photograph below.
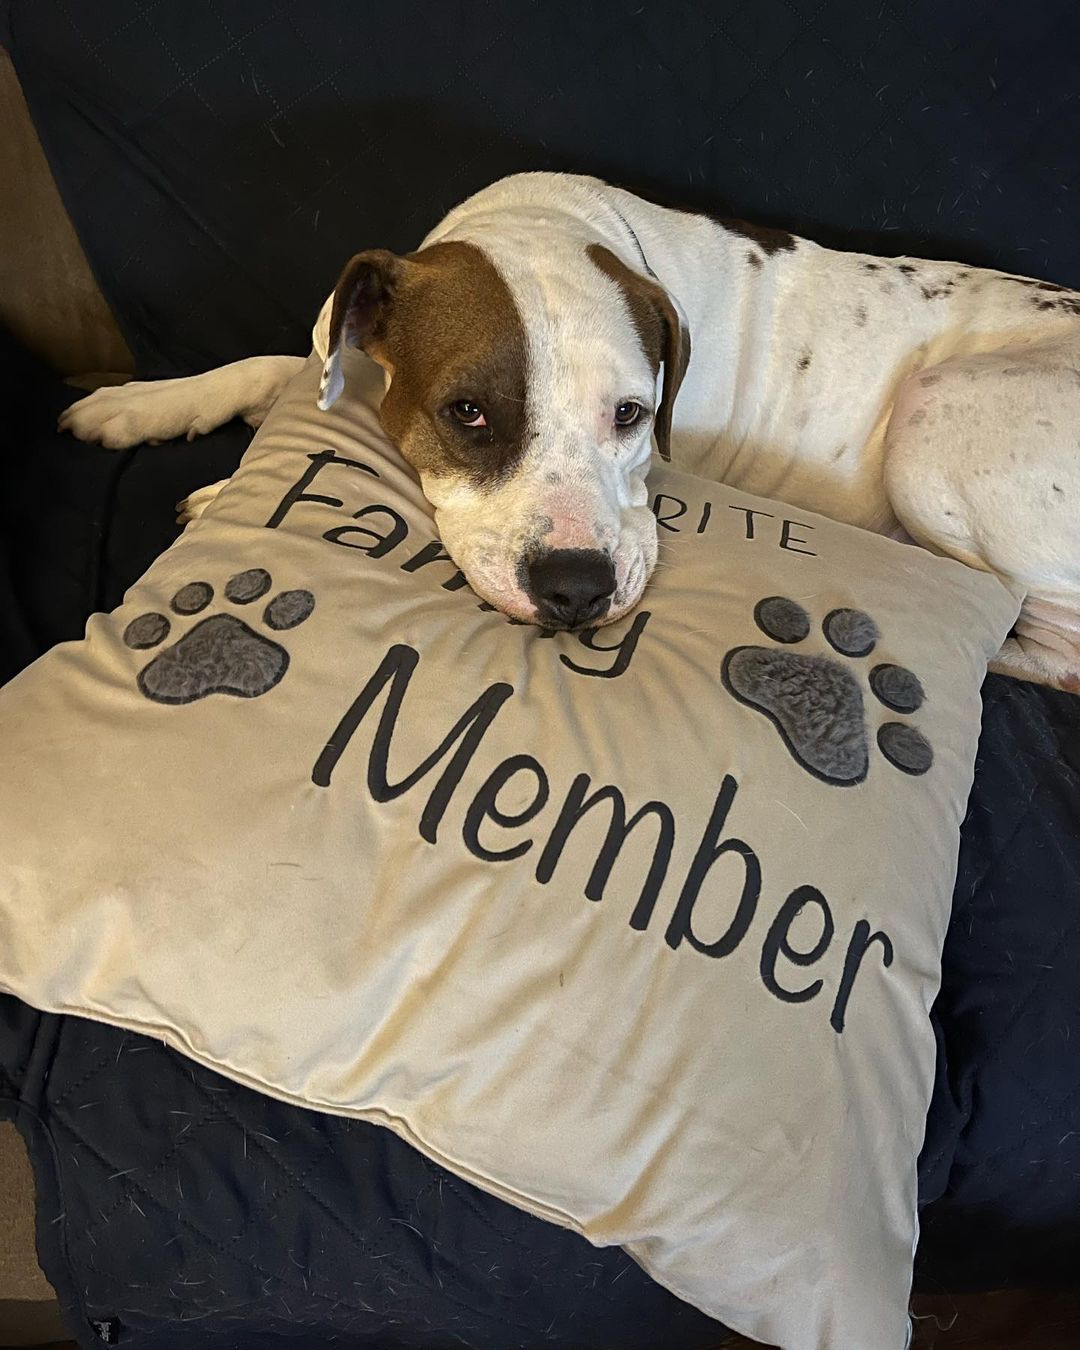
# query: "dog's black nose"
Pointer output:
{"type": "Point", "coordinates": [570, 586]}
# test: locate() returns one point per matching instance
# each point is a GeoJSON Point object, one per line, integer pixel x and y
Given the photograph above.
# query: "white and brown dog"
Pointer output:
{"type": "Point", "coordinates": [523, 346]}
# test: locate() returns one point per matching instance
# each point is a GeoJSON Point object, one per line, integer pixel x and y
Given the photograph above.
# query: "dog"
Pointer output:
{"type": "Point", "coordinates": [552, 327]}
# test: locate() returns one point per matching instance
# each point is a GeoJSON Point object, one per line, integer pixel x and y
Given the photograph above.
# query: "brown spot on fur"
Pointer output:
{"type": "Point", "coordinates": [871, 267]}
{"type": "Point", "coordinates": [839, 453]}
{"type": "Point", "coordinates": [860, 316]}
{"type": "Point", "coordinates": [927, 380]}
{"type": "Point", "coordinates": [1057, 489]}
{"type": "Point", "coordinates": [919, 415]}
{"type": "Point", "coordinates": [754, 259]}
{"type": "Point", "coordinates": [1064, 304]}
{"type": "Point", "coordinates": [662, 336]}
{"type": "Point", "coordinates": [445, 327]}
{"type": "Point", "coordinates": [769, 240]}
{"type": "Point", "coordinates": [1043, 422]}
{"type": "Point", "coordinates": [907, 268]}
{"type": "Point", "coordinates": [803, 362]}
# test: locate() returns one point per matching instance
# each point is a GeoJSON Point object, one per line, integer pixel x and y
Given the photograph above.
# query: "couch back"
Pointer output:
{"type": "Point", "coordinates": [220, 162]}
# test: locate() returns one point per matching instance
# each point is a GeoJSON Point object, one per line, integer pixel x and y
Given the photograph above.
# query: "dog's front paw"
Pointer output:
{"type": "Point", "coordinates": [129, 414]}
{"type": "Point", "coordinates": [192, 507]}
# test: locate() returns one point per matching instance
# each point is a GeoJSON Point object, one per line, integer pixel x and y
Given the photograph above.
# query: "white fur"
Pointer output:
{"type": "Point", "coordinates": [581, 483]}
{"type": "Point", "coordinates": [159, 410]}
{"type": "Point", "coordinates": [979, 464]}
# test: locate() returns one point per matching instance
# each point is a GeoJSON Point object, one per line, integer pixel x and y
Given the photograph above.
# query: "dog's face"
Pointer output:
{"type": "Point", "coordinates": [525, 397]}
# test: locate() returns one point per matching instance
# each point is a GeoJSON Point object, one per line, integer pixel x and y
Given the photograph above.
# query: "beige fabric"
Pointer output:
{"type": "Point", "coordinates": [48, 296]}
{"type": "Point", "coordinates": [29, 1311]}
{"type": "Point", "coordinates": [294, 901]}
{"type": "Point", "coordinates": [20, 1275]}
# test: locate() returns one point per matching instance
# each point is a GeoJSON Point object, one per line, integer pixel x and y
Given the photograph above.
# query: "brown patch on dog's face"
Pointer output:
{"type": "Point", "coordinates": [662, 336]}
{"type": "Point", "coordinates": [531, 444]}
{"type": "Point", "coordinates": [443, 325]}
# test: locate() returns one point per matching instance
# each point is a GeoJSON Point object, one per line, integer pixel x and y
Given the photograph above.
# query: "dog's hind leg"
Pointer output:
{"type": "Point", "coordinates": [1044, 647]}
{"type": "Point", "coordinates": [981, 465]}
{"type": "Point", "coordinates": [159, 410]}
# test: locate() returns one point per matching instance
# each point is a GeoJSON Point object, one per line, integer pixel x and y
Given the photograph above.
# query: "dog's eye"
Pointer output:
{"type": "Point", "coordinates": [468, 413]}
{"type": "Point", "coordinates": [626, 414]}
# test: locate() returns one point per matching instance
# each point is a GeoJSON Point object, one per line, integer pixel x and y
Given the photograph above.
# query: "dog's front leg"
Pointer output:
{"type": "Point", "coordinates": [160, 410]}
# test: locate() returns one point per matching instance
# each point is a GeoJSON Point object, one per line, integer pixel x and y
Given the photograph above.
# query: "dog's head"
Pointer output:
{"type": "Point", "coordinates": [525, 396]}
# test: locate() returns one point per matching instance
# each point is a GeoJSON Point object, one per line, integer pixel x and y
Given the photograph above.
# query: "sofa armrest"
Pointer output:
{"type": "Point", "coordinates": [49, 299]}
{"type": "Point", "coordinates": [29, 1312]}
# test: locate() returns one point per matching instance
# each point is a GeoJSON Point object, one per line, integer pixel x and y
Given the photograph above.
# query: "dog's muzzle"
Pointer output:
{"type": "Point", "coordinates": [570, 587]}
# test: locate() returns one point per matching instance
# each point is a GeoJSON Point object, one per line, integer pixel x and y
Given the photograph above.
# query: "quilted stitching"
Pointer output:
{"type": "Point", "coordinates": [190, 1200]}
{"type": "Point", "coordinates": [1003, 1143]}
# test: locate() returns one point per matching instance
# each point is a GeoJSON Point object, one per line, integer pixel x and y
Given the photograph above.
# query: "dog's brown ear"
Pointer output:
{"type": "Point", "coordinates": [663, 334]}
{"type": "Point", "coordinates": [362, 300]}
{"type": "Point", "coordinates": [676, 359]}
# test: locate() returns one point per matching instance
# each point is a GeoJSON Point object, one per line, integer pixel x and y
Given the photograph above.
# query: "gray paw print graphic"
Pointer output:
{"type": "Point", "coordinates": [816, 702]}
{"type": "Point", "coordinates": [221, 654]}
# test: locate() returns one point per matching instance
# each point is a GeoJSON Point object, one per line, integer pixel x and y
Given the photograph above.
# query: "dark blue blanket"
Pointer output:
{"type": "Point", "coordinates": [1000, 1171]}
{"type": "Point", "coordinates": [220, 162]}
{"type": "Point", "coordinates": [179, 1211]}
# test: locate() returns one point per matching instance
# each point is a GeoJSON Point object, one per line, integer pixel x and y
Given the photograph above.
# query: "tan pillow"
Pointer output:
{"type": "Point", "coordinates": [636, 929]}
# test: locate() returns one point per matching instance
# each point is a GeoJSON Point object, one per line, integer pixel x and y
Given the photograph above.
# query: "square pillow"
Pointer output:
{"type": "Point", "coordinates": [637, 929]}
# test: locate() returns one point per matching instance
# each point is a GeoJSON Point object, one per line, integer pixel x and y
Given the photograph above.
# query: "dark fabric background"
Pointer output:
{"type": "Point", "coordinates": [222, 158]}
{"type": "Point", "coordinates": [198, 1215]}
